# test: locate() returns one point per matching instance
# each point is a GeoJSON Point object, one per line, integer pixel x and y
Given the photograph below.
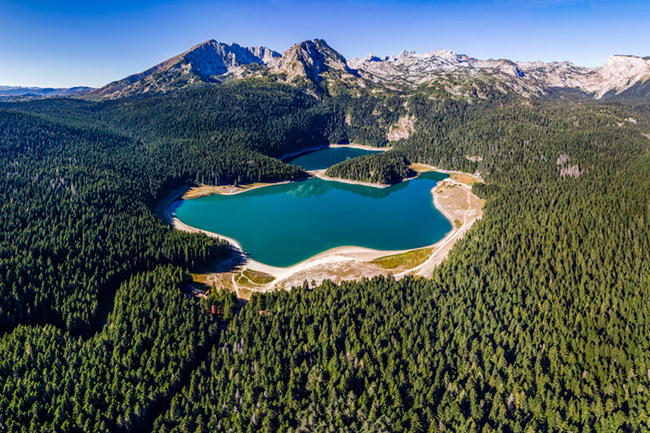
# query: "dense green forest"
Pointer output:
{"type": "Point", "coordinates": [121, 377]}
{"type": "Point", "coordinates": [75, 223]}
{"type": "Point", "coordinates": [535, 322]}
{"type": "Point", "coordinates": [385, 167]}
{"type": "Point", "coordinates": [81, 181]}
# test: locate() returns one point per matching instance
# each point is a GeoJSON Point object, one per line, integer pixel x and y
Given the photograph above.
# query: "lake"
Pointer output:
{"type": "Point", "coordinates": [324, 158]}
{"type": "Point", "coordinates": [282, 225]}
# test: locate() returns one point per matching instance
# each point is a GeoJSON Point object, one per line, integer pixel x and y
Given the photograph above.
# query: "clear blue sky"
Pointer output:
{"type": "Point", "coordinates": [72, 42]}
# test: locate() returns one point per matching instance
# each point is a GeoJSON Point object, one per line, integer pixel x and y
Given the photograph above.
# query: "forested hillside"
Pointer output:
{"type": "Point", "coordinates": [119, 379]}
{"type": "Point", "coordinates": [76, 222]}
{"type": "Point", "coordinates": [535, 322]}
{"type": "Point", "coordinates": [80, 181]}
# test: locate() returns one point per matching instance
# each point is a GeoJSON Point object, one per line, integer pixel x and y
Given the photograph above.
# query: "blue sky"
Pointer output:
{"type": "Point", "coordinates": [71, 42]}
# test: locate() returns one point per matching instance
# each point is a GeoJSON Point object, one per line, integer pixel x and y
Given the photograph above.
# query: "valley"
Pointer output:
{"type": "Point", "coordinates": [524, 309]}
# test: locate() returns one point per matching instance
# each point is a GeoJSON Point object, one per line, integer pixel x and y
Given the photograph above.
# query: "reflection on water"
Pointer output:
{"type": "Point", "coordinates": [315, 187]}
{"type": "Point", "coordinates": [324, 158]}
{"type": "Point", "coordinates": [369, 191]}
{"type": "Point", "coordinates": [310, 188]}
{"type": "Point", "coordinates": [282, 225]}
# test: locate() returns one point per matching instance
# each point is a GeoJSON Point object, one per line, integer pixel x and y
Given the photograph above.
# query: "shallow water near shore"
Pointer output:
{"type": "Point", "coordinates": [282, 225]}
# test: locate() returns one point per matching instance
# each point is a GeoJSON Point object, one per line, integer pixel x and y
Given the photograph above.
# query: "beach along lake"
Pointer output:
{"type": "Point", "coordinates": [282, 225]}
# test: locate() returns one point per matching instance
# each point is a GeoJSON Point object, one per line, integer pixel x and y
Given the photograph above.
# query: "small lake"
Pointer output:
{"type": "Point", "coordinates": [282, 225]}
{"type": "Point", "coordinates": [324, 158]}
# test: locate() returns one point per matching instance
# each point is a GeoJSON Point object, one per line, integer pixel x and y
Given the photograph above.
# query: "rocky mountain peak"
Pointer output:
{"type": "Point", "coordinates": [371, 58]}
{"type": "Point", "coordinates": [408, 66]}
{"type": "Point", "coordinates": [201, 63]}
{"type": "Point", "coordinates": [445, 70]}
{"type": "Point", "coordinates": [213, 58]}
{"type": "Point", "coordinates": [620, 73]}
{"type": "Point", "coordinates": [449, 55]}
{"type": "Point", "coordinates": [626, 67]}
{"type": "Point", "coordinates": [310, 59]}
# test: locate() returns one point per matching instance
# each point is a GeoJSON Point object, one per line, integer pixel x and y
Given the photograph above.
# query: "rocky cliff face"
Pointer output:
{"type": "Point", "coordinates": [408, 67]}
{"type": "Point", "coordinates": [203, 63]}
{"type": "Point", "coordinates": [213, 58]}
{"type": "Point", "coordinates": [310, 59]}
{"type": "Point", "coordinates": [618, 74]}
{"type": "Point", "coordinates": [445, 71]}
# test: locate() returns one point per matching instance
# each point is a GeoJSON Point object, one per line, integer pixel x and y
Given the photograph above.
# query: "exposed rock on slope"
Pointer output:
{"type": "Point", "coordinates": [213, 58]}
{"type": "Point", "coordinates": [409, 66]}
{"type": "Point", "coordinates": [617, 75]}
{"type": "Point", "coordinates": [311, 59]}
{"type": "Point", "coordinates": [203, 63]}
{"type": "Point", "coordinates": [447, 72]}
{"type": "Point", "coordinates": [402, 129]}
{"type": "Point", "coordinates": [620, 73]}
{"type": "Point", "coordinates": [213, 62]}
{"type": "Point", "coordinates": [440, 73]}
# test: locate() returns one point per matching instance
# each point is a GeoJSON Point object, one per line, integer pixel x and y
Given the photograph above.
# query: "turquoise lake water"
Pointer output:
{"type": "Point", "coordinates": [325, 158]}
{"type": "Point", "coordinates": [282, 225]}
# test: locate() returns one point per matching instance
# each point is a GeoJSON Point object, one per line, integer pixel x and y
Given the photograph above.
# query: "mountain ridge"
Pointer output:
{"type": "Point", "coordinates": [198, 64]}
{"type": "Point", "coordinates": [19, 92]}
{"type": "Point", "coordinates": [457, 75]}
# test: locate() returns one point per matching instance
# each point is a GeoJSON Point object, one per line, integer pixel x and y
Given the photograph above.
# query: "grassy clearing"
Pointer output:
{"type": "Point", "coordinates": [258, 277]}
{"type": "Point", "coordinates": [200, 278]}
{"type": "Point", "coordinates": [241, 279]}
{"type": "Point", "coordinates": [420, 168]}
{"type": "Point", "coordinates": [463, 178]}
{"type": "Point", "coordinates": [406, 260]}
{"type": "Point", "coordinates": [200, 281]}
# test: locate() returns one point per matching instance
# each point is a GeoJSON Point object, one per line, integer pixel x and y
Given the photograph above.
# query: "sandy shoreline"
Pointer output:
{"type": "Point", "coordinates": [452, 198]}
{"type": "Point", "coordinates": [470, 213]}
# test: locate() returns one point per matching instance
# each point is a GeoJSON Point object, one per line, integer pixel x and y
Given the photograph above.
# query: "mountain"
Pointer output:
{"type": "Point", "coordinates": [215, 62]}
{"type": "Point", "coordinates": [446, 72]}
{"type": "Point", "coordinates": [617, 75]}
{"type": "Point", "coordinates": [14, 92]}
{"type": "Point", "coordinates": [311, 59]}
{"type": "Point", "coordinates": [622, 73]}
{"type": "Point", "coordinates": [442, 72]}
{"type": "Point", "coordinates": [204, 63]}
